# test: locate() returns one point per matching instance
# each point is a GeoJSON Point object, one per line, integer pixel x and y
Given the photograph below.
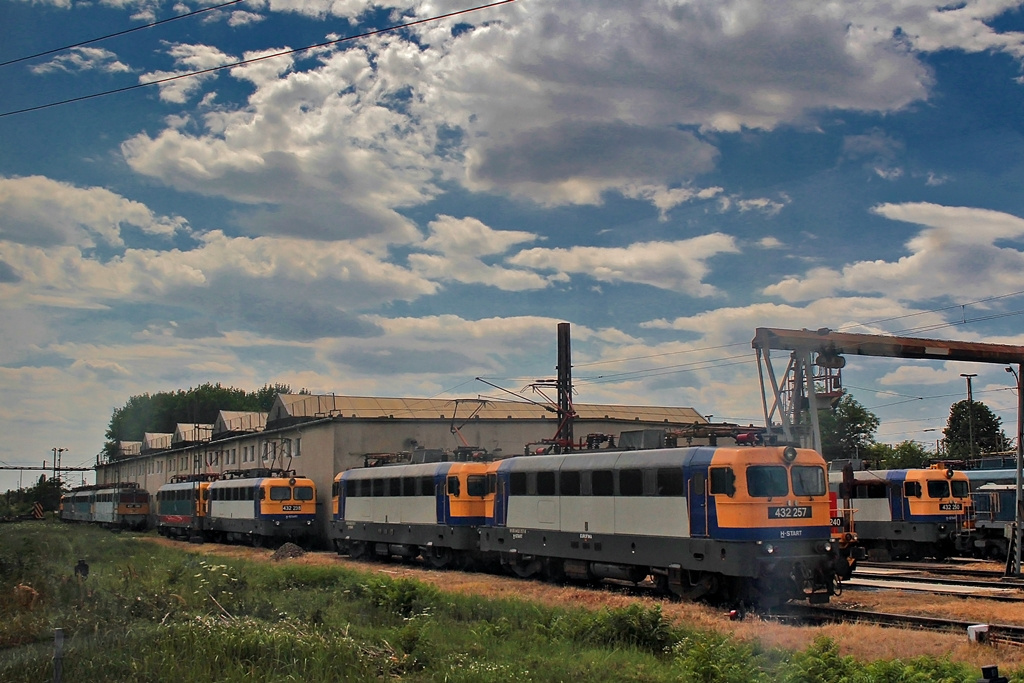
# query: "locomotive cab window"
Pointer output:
{"type": "Point", "coordinates": [723, 481]}
{"type": "Point", "coordinates": [938, 488]}
{"type": "Point", "coordinates": [476, 485]}
{"type": "Point", "coordinates": [280, 493]}
{"type": "Point", "coordinates": [454, 489]}
{"type": "Point", "coordinates": [767, 481]}
{"type": "Point", "coordinates": [961, 489]}
{"type": "Point", "coordinates": [808, 481]}
{"type": "Point", "coordinates": [912, 489]}
{"type": "Point", "coordinates": [303, 493]}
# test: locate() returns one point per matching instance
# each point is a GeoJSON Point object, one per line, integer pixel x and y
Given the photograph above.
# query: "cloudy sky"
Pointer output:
{"type": "Point", "coordinates": [398, 213]}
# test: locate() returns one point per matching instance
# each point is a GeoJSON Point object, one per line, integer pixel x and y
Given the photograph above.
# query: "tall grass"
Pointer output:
{"type": "Point", "coordinates": [151, 613]}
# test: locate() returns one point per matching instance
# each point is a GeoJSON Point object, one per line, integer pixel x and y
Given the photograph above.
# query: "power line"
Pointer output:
{"type": "Point", "coordinates": [243, 62]}
{"type": "Point", "coordinates": [119, 33]}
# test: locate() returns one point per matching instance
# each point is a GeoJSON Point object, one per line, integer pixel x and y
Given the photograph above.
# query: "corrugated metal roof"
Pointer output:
{"type": "Point", "coordinates": [302, 405]}
{"type": "Point", "coordinates": [191, 432]}
{"type": "Point", "coordinates": [129, 448]}
{"type": "Point", "coordinates": [154, 440]}
{"type": "Point", "coordinates": [239, 421]}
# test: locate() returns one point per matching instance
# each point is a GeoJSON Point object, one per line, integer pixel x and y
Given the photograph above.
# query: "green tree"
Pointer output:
{"type": "Point", "coordinates": [20, 501]}
{"type": "Point", "coordinates": [967, 417]}
{"type": "Point", "coordinates": [162, 411]}
{"type": "Point", "coordinates": [904, 455]}
{"type": "Point", "coordinates": [847, 429]}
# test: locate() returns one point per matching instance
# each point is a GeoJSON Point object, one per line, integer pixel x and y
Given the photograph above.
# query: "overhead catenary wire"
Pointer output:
{"type": "Point", "coordinates": [274, 55]}
{"type": "Point", "coordinates": [120, 33]}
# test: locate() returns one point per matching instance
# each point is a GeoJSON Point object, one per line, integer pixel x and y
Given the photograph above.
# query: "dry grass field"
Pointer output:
{"type": "Point", "coordinates": [866, 643]}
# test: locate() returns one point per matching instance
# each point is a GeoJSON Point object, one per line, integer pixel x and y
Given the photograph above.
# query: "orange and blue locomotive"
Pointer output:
{"type": "Point", "coordinates": [181, 505]}
{"type": "Point", "coordinates": [260, 505]}
{"type": "Point", "coordinates": [123, 505]}
{"type": "Point", "coordinates": [909, 514]}
{"type": "Point", "coordinates": [741, 524]}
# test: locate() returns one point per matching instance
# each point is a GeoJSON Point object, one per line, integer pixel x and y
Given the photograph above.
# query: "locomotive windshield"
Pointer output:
{"type": "Point", "coordinates": [280, 493]}
{"type": "Point", "coordinates": [961, 489]}
{"type": "Point", "coordinates": [303, 493]}
{"type": "Point", "coordinates": [808, 480]}
{"type": "Point", "coordinates": [767, 481]}
{"type": "Point", "coordinates": [938, 488]}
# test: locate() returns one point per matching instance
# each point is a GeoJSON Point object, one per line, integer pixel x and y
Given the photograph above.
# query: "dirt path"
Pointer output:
{"type": "Point", "coordinates": [863, 642]}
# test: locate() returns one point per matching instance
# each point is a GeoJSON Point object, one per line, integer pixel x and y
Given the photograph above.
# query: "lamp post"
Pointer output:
{"type": "Point", "coordinates": [1019, 519]}
{"type": "Point", "coordinates": [970, 412]}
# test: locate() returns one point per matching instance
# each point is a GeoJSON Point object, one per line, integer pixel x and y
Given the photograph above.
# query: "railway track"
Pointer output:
{"type": "Point", "coordinates": [1002, 634]}
{"type": "Point", "coordinates": [945, 569]}
{"type": "Point", "coordinates": [889, 579]}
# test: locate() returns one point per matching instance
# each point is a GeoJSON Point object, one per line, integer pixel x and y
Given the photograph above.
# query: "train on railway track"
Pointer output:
{"type": "Point", "coordinates": [256, 506]}
{"type": "Point", "coordinates": [910, 513]}
{"type": "Point", "coordinates": [744, 525]}
{"type": "Point", "coordinates": [114, 506]}
{"type": "Point", "coordinates": [994, 492]}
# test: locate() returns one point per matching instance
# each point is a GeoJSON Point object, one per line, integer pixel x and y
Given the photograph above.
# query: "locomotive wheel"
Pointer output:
{"type": "Point", "coordinates": [357, 550]}
{"type": "Point", "coordinates": [257, 541]}
{"type": "Point", "coordinates": [438, 558]}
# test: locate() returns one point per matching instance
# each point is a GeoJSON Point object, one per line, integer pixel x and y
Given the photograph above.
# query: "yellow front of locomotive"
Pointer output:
{"type": "Point", "coordinates": [773, 503]}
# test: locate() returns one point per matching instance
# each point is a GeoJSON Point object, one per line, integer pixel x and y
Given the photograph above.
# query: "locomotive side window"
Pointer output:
{"type": "Point", "coordinates": [280, 493]}
{"type": "Point", "coordinates": [912, 489]}
{"type": "Point", "coordinates": [492, 483]}
{"type": "Point", "coordinates": [938, 488]}
{"type": "Point", "coordinates": [454, 489]}
{"type": "Point", "coordinates": [303, 493]}
{"type": "Point", "coordinates": [408, 486]}
{"type": "Point", "coordinates": [476, 485]}
{"type": "Point", "coordinates": [669, 481]}
{"type": "Point", "coordinates": [631, 482]}
{"type": "Point", "coordinates": [334, 490]}
{"type": "Point", "coordinates": [517, 483]}
{"type": "Point", "coordinates": [723, 480]}
{"type": "Point", "coordinates": [569, 484]}
{"type": "Point", "coordinates": [377, 487]}
{"type": "Point", "coordinates": [961, 489]}
{"type": "Point", "coordinates": [808, 481]}
{"type": "Point", "coordinates": [767, 481]}
{"type": "Point", "coordinates": [545, 483]}
{"type": "Point", "coordinates": [601, 482]}
{"type": "Point", "coordinates": [426, 486]}
{"type": "Point", "coordinates": [870, 491]}
{"type": "Point", "coordinates": [394, 486]}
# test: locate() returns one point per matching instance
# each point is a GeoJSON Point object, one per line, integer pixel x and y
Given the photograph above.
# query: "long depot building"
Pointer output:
{"type": "Point", "coordinates": [319, 436]}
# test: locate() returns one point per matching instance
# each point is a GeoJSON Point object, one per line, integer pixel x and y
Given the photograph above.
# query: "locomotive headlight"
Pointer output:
{"type": "Point", "coordinates": [769, 548]}
{"type": "Point", "coordinates": [828, 547]}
